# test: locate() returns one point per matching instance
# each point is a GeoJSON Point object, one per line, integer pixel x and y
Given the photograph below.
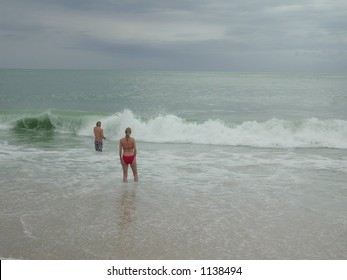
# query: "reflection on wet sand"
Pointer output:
{"type": "Point", "coordinates": [127, 206]}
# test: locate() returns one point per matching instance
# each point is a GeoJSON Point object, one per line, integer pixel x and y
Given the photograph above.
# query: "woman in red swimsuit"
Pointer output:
{"type": "Point", "coordinates": [127, 155]}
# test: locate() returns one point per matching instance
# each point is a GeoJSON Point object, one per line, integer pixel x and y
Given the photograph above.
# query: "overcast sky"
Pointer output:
{"type": "Point", "coordinates": [215, 35]}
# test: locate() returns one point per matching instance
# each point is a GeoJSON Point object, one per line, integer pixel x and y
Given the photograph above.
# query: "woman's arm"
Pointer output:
{"type": "Point", "coordinates": [135, 150]}
{"type": "Point", "coordinates": [120, 149]}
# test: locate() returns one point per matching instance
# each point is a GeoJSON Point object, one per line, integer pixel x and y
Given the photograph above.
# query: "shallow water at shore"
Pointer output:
{"type": "Point", "coordinates": [192, 202]}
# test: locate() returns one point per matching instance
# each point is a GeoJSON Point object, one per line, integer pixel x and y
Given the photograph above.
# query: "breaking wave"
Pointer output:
{"type": "Point", "coordinates": [313, 132]}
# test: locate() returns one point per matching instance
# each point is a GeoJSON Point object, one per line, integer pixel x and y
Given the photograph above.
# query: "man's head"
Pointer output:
{"type": "Point", "coordinates": [128, 130]}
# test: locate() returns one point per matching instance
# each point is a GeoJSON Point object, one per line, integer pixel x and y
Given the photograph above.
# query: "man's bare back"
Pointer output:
{"type": "Point", "coordinates": [98, 133]}
{"type": "Point", "coordinates": [99, 136]}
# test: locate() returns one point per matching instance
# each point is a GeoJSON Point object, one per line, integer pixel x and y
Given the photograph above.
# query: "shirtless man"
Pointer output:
{"type": "Point", "coordinates": [99, 135]}
{"type": "Point", "coordinates": [127, 155]}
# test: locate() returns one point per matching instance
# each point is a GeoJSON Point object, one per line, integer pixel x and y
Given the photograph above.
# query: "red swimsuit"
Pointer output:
{"type": "Point", "coordinates": [128, 159]}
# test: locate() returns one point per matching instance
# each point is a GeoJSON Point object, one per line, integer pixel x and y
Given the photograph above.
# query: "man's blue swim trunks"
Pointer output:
{"type": "Point", "coordinates": [98, 146]}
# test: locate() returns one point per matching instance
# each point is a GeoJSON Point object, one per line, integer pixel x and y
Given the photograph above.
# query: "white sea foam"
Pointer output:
{"type": "Point", "coordinates": [272, 133]}
{"type": "Point", "coordinates": [312, 132]}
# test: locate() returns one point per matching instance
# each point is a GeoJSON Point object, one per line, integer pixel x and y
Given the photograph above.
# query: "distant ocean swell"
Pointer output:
{"type": "Point", "coordinates": [274, 133]}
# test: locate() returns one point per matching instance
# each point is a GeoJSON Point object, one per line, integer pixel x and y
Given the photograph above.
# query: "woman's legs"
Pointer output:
{"type": "Point", "coordinates": [134, 169]}
{"type": "Point", "coordinates": [125, 172]}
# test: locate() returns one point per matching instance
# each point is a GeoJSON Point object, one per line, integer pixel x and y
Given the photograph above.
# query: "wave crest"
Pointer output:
{"type": "Point", "coordinates": [39, 123]}
{"type": "Point", "coordinates": [169, 128]}
{"type": "Point", "coordinates": [277, 133]}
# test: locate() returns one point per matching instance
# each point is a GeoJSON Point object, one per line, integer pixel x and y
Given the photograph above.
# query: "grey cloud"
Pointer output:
{"type": "Point", "coordinates": [275, 34]}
